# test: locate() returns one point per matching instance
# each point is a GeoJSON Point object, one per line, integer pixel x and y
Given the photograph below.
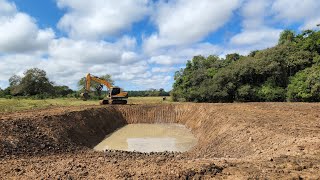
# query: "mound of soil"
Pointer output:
{"type": "Point", "coordinates": [251, 140]}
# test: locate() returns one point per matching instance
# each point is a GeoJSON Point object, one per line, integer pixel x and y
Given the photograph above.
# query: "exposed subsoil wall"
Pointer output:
{"type": "Point", "coordinates": [223, 130]}
{"type": "Point", "coordinates": [63, 132]}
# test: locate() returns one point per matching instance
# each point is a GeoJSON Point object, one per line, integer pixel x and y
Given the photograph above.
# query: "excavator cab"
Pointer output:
{"type": "Point", "coordinates": [116, 96]}
{"type": "Point", "coordinates": [115, 91]}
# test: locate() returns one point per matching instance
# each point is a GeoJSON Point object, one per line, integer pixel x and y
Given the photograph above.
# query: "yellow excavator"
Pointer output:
{"type": "Point", "coordinates": [115, 96]}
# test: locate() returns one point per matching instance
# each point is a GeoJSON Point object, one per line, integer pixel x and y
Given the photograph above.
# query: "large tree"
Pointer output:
{"type": "Point", "coordinates": [34, 81]}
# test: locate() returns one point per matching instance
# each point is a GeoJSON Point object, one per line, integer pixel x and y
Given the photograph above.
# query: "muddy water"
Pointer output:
{"type": "Point", "coordinates": [149, 138]}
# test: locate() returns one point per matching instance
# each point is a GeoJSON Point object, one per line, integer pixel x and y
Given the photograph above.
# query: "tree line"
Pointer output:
{"type": "Point", "coordinates": [290, 71]}
{"type": "Point", "coordinates": [35, 84]}
{"type": "Point", "coordinates": [148, 93]}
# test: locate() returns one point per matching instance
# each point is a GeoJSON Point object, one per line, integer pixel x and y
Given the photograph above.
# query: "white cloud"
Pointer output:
{"type": "Point", "coordinates": [155, 81]}
{"type": "Point", "coordinates": [182, 22]}
{"type": "Point", "coordinates": [254, 13]}
{"type": "Point", "coordinates": [19, 33]}
{"type": "Point", "coordinates": [256, 33]}
{"type": "Point", "coordinates": [311, 24]}
{"type": "Point", "coordinates": [180, 55]}
{"type": "Point", "coordinates": [84, 51]}
{"type": "Point", "coordinates": [16, 64]}
{"type": "Point", "coordinates": [264, 37]}
{"type": "Point", "coordinates": [7, 8]}
{"type": "Point", "coordinates": [91, 52]}
{"type": "Point", "coordinates": [163, 59]}
{"type": "Point", "coordinates": [306, 11]}
{"type": "Point", "coordinates": [163, 69]}
{"type": "Point", "coordinates": [296, 9]}
{"type": "Point", "coordinates": [260, 16]}
{"type": "Point", "coordinates": [127, 42]}
{"type": "Point", "coordinates": [99, 18]}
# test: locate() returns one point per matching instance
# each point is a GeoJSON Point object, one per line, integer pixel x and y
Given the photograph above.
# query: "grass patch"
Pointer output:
{"type": "Point", "coordinates": [12, 105]}
{"type": "Point", "coordinates": [148, 100]}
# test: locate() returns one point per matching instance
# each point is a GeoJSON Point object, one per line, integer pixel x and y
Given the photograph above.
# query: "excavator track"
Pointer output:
{"type": "Point", "coordinates": [104, 102]}
{"type": "Point", "coordinates": [118, 101]}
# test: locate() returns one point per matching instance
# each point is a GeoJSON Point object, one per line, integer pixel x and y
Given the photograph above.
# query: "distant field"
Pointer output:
{"type": "Point", "coordinates": [11, 105]}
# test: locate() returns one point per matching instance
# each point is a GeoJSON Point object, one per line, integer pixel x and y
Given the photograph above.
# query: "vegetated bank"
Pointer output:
{"type": "Point", "coordinates": [290, 71]}
{"type": "Point", "coordinates": [252, 140]}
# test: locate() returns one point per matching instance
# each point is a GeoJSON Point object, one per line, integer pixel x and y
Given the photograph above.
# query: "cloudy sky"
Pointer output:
{"type": "Point", "coordinates": [141, 43]}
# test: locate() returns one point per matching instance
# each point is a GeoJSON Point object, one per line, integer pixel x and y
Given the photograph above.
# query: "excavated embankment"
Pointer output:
{"type": "Point", "coordinates": [245, 140]}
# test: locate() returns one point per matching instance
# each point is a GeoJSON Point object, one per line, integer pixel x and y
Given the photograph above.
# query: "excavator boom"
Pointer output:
{"type": "Point", "coordinates": [90, 78]}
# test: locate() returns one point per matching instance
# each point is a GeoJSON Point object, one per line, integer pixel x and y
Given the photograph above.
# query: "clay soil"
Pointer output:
{"type": "Point", "coordinates": [235, 141]}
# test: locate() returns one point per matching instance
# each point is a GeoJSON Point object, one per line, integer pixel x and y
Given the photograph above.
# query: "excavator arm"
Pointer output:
{"type": "Point", "coordinates": [90, 78]}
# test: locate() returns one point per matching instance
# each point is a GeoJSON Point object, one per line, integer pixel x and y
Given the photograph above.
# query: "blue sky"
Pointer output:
{"type": "Point", "coordinates": [140, 43]}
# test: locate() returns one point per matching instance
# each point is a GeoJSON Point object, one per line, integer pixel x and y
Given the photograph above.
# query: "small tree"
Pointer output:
{"type": "Point", "coordinates": [15, 85]}
{"type": "Point", "coordinates": [1, 93]}
{"type": "Point", "coordinates": [286, 36]}
{"type": "Point", "coordinates": [62, 91]}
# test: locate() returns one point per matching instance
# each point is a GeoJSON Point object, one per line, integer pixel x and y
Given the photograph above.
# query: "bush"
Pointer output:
{"type": "Point", "coordinates": [246, 93]}
{"type": "Point", "coordinates": [305, 85]}
{"type": "Point", "coordinates": [270, 93]}
{"type": "Point", "coordinates": [8, 96]}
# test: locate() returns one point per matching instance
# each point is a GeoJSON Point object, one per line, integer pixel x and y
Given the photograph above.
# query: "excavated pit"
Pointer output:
{"type": "Point", "coordinates": [274, 139]}
{"type": "Point", "coordinates": [222, 130]}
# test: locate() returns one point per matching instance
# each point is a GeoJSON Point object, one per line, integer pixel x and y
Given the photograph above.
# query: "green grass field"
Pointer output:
{"type": "Point", "coordinates": [12, 105]}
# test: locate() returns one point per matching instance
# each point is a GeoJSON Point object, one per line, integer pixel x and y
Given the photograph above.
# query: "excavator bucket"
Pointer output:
{"type": "Point", "coordinates": [84, 96]}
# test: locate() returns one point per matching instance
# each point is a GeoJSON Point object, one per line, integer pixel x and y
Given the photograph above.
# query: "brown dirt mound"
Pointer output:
{"type": "Point", "coordinates": [251, 140]}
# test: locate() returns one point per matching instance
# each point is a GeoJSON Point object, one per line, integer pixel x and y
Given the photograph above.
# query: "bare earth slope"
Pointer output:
{"type": "Point", "coordinates": [249, 140]}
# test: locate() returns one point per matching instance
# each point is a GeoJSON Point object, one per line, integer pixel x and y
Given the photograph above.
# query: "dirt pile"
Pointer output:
{"type": "Point", "coordinates": [264, 140]}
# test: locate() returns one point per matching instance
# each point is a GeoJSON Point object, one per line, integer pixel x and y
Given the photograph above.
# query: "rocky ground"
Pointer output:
{"type": "Point", "coordinates": [236, 141]}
